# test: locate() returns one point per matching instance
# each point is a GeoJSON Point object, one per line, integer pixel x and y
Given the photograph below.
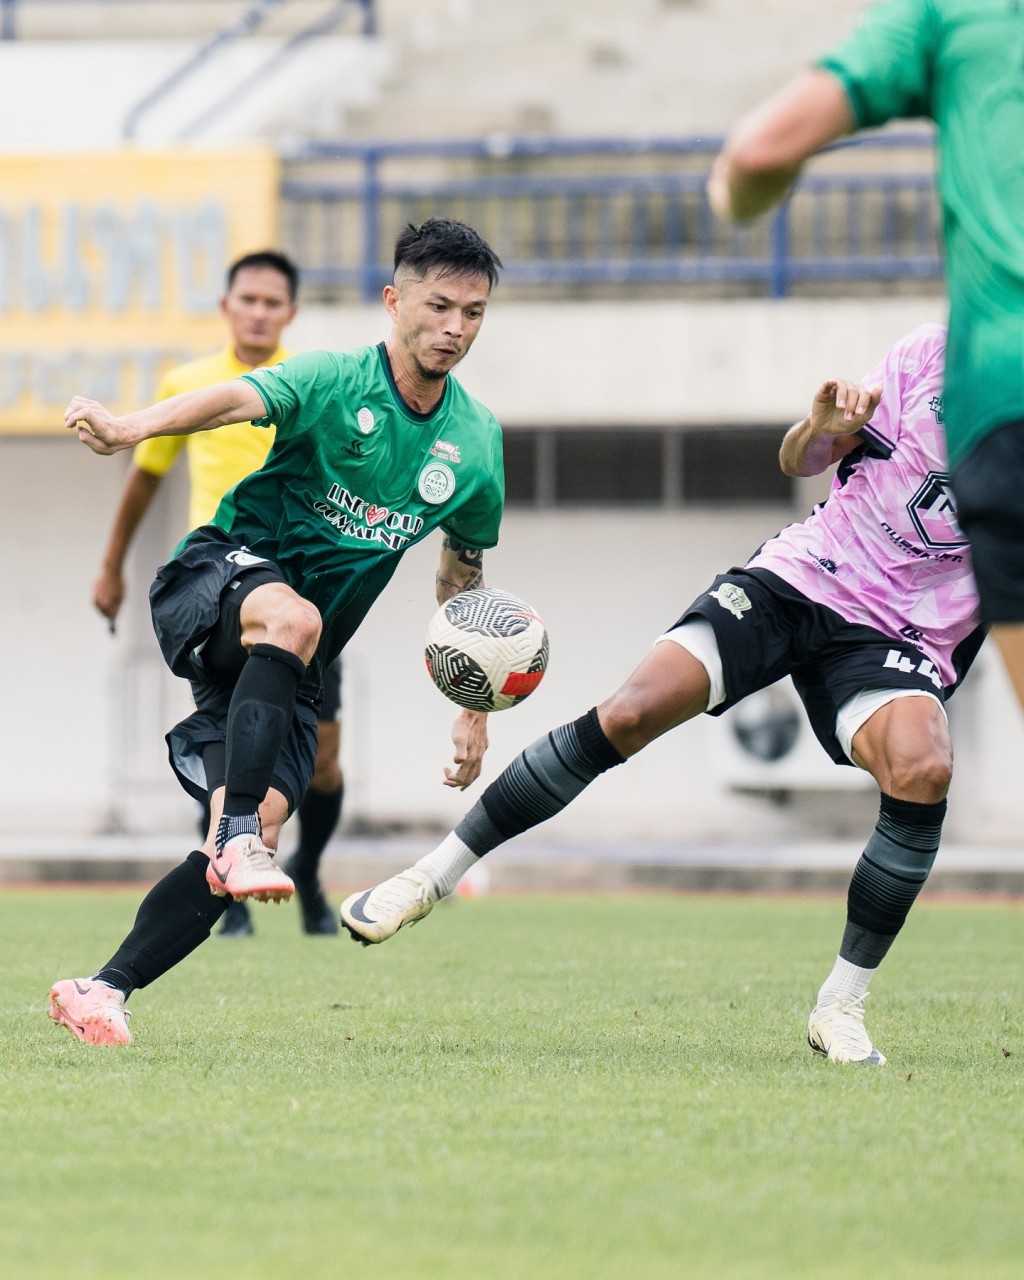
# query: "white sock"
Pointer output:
{"type": "Point", "coordinates": [448, 863]}
{"type": "Point", "coordinates": [846, 981]}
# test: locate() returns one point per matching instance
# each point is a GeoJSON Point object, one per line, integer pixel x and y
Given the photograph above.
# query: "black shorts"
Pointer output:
{"type": "Point", "coordinates": [990, 508]}
{"type": "Point", "coordinates": [195, 602]}
{"type": "Point", "coordinates": [293, 768]}
{"type": "Point", "coordinates": [330, 703]}
{"type": "Point", "coordinates": [767, 629]}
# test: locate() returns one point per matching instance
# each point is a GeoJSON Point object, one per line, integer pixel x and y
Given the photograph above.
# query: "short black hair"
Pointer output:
{"type": "Point", "coordinates": [453, 247]}
{"type": "Point", "coordinates": [271, 258]}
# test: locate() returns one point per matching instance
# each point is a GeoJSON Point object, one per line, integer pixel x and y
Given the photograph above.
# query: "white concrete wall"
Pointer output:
{"type": "Point", "coordinates": [83, 712]}
{"type": "Point", "coordinates": [44, 108]}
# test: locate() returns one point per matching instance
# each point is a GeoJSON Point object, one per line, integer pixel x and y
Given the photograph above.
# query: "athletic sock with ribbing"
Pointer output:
{"type": "Point", "coordinates": [537, 785]}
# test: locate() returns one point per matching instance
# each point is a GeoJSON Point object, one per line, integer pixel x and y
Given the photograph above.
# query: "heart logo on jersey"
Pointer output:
{"type": "Point", "coordinates": [375, 514]}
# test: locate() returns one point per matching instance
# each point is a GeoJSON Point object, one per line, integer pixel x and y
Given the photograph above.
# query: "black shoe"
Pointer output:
{"type": "Point", "coordinates": [235, 922]}
{"type": "Point", "coordinates": [318, 915]}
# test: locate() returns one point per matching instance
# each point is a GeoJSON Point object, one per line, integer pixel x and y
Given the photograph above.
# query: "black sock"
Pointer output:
{"type": "Point", "coordinates": [173, 919]}
{"type": "Point", "coordinates": [539, 783]}
{"type": "Point", "coordinates": [889, 876]}
{"type": "Point", "coordinates": [259, 717]}
{"type": "Point", "coordinates": [319, 813]}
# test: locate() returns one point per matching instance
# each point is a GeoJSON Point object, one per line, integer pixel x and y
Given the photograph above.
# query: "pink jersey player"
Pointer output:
{"type": "Point", "coordinates": [885, 549]}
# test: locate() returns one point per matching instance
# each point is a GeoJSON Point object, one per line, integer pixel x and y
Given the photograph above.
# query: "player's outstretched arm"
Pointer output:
{"type": "Point", "coordinates": [831, 429]}
{"type": "Point", "coordinates": [140, 487]}
{"type": "Point", "coordinates": [766, 149]}
{"type": "Point", "coordinates": [202, 410]}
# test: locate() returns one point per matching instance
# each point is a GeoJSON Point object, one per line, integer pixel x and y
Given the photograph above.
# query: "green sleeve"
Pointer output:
{"type": "Point", "coordinates": [289, 387]}
{"type": "Point", "coordinates": [477, 522]}
{"type": "Point", "coordinates": [886, 67]}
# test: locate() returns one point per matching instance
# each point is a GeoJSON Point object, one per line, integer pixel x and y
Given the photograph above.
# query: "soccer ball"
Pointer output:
{"type": "Point", "coordinates": [486, 649]}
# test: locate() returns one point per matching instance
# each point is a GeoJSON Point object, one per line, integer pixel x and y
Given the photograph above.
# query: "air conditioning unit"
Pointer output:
{"type": "Point", "coordinates": [764, 743]}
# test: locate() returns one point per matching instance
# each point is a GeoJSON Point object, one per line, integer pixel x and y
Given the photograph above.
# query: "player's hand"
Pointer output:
{"type": "Point", "coordinates": [841, 407]}
{"type": "Point", "coordinates": [469, 734]}
{"type": "Point", "coordinates": [108, 593]}
{"type": "Point", "coordinates": [97, 427]}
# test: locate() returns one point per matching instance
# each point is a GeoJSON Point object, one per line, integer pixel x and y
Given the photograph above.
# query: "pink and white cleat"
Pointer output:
{"type": "Point", "coordinates": [91, 1011]}
{"type": "Point", "coordinates": [245, 868]}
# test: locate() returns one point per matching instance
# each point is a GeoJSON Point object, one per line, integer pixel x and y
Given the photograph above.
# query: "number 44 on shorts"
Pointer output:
{"type": "Point", "coordinates": [900, 662]}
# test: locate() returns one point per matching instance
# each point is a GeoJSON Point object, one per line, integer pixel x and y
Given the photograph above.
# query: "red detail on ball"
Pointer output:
{"type": "Point", "coordinates": [520, 683]}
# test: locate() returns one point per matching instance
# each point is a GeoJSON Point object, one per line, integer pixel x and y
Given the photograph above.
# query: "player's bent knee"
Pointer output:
{"type": "Point", "coordinates": [327, 776]}
{"type": "Point", "coordinates": [629, 721]}
{"type": "Point", "coordinates": [925, 778]}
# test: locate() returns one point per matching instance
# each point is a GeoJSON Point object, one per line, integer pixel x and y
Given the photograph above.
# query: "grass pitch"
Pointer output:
{"type": "Point", "coordinates": [518, 1088]}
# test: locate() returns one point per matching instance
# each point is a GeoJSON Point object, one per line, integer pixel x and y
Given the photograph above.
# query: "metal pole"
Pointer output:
{"type": "Point", "coordinates": [371, 223]}
{"type": "Point", "coordinates": [779, 280]}
{"type": "Point", "coordinates": [8, 29]}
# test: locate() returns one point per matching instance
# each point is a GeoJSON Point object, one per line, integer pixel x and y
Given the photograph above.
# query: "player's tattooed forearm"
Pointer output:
{"type": "Point", "coordinates": [448, 587]}
{"type": "Point", "coordinates": [470, 556]}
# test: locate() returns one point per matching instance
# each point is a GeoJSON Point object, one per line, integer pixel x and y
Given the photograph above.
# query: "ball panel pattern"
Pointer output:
{"type": "Point", "coordinates": [486, 649]}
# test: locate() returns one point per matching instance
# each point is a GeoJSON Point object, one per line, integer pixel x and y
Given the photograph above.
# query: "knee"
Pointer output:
{"type": "Point", "coordinates": [307, 625]}
{"type": "Point", "coordinates": [924, 778]}
{"type": "Point", "coordinates": [626, 721]}
{"type": "Point", "coordinates": [296, 628]}
{"type": "Point", "coordinates": [327, 776]}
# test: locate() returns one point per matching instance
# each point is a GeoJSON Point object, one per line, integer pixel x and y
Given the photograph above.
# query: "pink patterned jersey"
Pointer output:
{"type": "Point", "coordinates": [885, 549]}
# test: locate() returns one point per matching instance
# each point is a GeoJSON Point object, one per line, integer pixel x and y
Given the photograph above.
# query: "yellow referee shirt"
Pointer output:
{"type": "Point", "coordinates": [217, 459]}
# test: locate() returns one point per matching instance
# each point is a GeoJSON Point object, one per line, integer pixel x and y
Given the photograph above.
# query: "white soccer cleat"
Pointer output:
{"type": "Point", "coordinates": [374, 915]}
{"type": "Point", "coordinates": [836, 1029]}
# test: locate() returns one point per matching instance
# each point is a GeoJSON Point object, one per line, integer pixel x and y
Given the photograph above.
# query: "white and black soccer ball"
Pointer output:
{"type": "Point", "coordinates": [486, 649]}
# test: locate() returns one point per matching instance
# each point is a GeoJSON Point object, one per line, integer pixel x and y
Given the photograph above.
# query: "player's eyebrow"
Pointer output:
{"type": "Point", "coordinates": [437, 296]}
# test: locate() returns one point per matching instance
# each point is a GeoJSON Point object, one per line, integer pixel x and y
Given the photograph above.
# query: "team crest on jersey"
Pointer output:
{"type": "Point", "coordinates": [444, 449]}
{"type": "Point", "coordinates": [933, 511]}
{"type": "Point", "coordinates": [436, 483]}
{"type": "Point", "coordinates": [935, 404]}
{"type": "Point", "coordinates": [365, 420]}
{"type": "Point", "coordinates": [733, 598]}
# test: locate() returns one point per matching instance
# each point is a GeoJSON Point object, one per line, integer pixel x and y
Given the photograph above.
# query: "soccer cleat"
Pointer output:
{"type": "Point", "coordinates": [245, 868]}
{"type": "Point", "coordinates": [836, 1029]}
{"type": "Point", "coordinates": [236, 922]}
{"type": "Point", "coordinates": [91, 1011]}
{"type": "Point", "coordinates": [317, 913]}
{"type": "Point", "coordinates": [375, 914]}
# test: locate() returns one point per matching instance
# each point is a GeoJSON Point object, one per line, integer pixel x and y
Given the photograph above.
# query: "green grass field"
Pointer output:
{"type": "Point", "coordinates": [516, 1088]}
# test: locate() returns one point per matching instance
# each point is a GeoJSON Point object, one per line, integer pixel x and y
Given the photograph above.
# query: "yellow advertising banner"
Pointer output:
{"type": "Point", "coordinates": [111, 267]}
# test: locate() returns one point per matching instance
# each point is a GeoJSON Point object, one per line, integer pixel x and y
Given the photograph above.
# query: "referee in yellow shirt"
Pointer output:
{"type": "Point", "coordinates": [259, 302]}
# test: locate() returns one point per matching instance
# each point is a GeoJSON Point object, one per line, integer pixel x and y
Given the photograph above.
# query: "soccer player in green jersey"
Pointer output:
{"type": "Point", "coordinates": [959, 63]}
{"type": "Point", "coordinates": [374, 449]}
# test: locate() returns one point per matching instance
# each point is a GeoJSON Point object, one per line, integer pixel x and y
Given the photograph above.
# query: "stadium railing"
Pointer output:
{"type": "Point", "coordinates": [603, 213]}
{"type": "Point", "coordinates": [118, 19]}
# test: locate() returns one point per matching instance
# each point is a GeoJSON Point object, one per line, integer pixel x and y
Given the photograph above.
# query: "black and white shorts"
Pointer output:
{"type": "Point", "coordinates": [750, 629]}
{"type": "Point", "coordinates": [990, 510]}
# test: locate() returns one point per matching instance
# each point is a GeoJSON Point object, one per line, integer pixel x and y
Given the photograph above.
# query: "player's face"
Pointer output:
{"type": "Point", "coordinates": [257, 308]}
{"type": "Point", "coordinates": [437, 319]}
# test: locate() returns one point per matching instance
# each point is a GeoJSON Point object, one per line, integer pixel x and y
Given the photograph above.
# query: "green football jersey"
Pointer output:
{"type": "Point", "coordinates": [355, 477]}
{"type": "Point", "coordinates": [961, 64]}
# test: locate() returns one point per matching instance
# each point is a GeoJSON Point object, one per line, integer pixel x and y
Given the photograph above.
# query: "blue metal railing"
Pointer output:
{"type": "Point", "coordinates": [592, 212]}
